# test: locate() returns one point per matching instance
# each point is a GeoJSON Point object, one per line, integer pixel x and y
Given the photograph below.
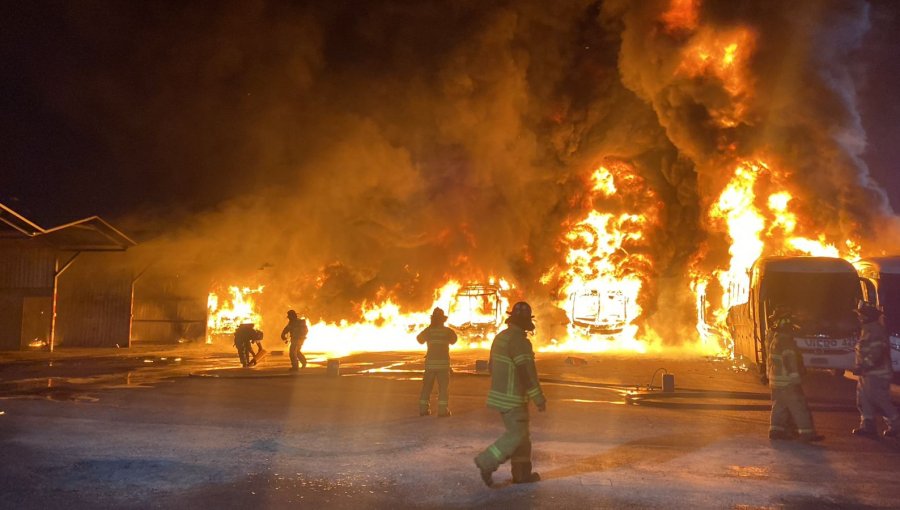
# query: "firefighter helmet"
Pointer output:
{"type": "Point", "coordinates": [867, 310]}
{"type": "Point", "coordinates": [782, 317]}
{"type": "Point", "coordinates": [521, 310]}
{"type": "Point", "coordinates": [439, 314]}
{"type": "Point", "coordinates": [291, 314]}
{"type": "Point", "coordinates": [520, 315]}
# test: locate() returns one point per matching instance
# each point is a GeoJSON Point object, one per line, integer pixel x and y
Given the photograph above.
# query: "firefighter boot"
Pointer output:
{"type": "Point", "coordinates": [779, 435]}
{"type": "Point", "coordinates": [866, 429]}
{"type": "Point", "coordinates": [485, 473]}
{"type": "Point", "coordinates": [810, 437]}
{"type": "Point", "coordinates": [522, 473]}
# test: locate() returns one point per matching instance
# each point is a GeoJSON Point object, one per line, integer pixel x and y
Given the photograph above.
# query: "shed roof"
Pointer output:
{"type": "Point", "coordinates": [89, 234]}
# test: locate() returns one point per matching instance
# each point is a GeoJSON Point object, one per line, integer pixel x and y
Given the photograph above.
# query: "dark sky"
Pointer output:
{"type": "Point", "coordinates": [103, 110]}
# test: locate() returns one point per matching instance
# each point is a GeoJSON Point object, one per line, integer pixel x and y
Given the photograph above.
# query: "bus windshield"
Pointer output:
{"type": "Point", "coordinates": [823, 303]}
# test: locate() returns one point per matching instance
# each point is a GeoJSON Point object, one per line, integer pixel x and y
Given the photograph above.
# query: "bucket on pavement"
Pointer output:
{"type": "Point", "coordinates": [333, 368]}
{"type": "Point", "coordinates": [668, 383]}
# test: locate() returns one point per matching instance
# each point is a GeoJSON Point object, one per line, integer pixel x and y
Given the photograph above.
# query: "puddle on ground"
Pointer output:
{"type": "Point", "coordinates": [78, 379]}
{"type": "Point", "coordinates": [754, 472]}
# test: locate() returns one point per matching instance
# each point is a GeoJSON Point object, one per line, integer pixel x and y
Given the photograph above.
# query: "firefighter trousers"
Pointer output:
{"type": "Point", "coordinates": [442, 377]}
{"type": "Point", "coordinates": [243, 349]}
{"type": "Point", "coordinates": [514, 444]}
{"type": "Point", "coordinates": [297, 357]}
{"type": "Point", "coordinates": [789, 403]}
{"type": "Point", "coordinates": [873, 399]}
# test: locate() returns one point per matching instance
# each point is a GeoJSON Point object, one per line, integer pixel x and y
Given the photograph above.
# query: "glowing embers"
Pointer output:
{"type": "Point", "coordinates": [226, 312]}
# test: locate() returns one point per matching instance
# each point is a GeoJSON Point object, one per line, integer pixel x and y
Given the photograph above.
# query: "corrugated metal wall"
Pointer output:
{"type": "Point", "coordinates": [94, 303]}
{"type": "Point", "coordinates": [26, 271]}
{"type": "Point", "coordinates": [167, 310]}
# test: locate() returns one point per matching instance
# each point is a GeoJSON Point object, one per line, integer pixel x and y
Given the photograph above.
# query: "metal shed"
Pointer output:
{"type": "Point", "coordinates": [37, 304]}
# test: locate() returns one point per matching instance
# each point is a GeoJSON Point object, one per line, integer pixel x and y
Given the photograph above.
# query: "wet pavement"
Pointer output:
{"type": "Point", "coordinates": [190, 429]}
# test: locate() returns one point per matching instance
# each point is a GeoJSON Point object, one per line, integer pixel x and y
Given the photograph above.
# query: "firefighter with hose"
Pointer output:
{"type": "Point", "coordinates": [244, 337]}
{"type": "Point", "coordinates": [514, 381]}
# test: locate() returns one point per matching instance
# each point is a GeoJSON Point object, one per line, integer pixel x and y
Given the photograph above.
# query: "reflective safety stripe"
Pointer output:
{"type": "Point", "coordinates": [806, 431]}
{"type": "Point", "coordinates": [534, 393]}
{"type": "Point", "coordinates": [495, 452]}
{"type": "Point", "coordinates": [521, 358]}
{"type": "Point", "coordinates": [437, 364]}
{"type": "Point", "coordinates": [502, 401]}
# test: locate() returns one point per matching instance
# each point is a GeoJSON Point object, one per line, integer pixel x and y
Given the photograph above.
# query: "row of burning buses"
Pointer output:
{"type": "Point", "coordinates": [821, 291]}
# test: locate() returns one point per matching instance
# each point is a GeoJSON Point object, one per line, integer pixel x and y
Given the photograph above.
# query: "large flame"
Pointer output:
{"type": "Point", "coordinates": [476, 310]}
{"type": "Point", "coordinates": [601, 281]}
{"type": "Point", "coordinates": [756, 225]}
{"type": "Point", "coordinates": [225, 314]}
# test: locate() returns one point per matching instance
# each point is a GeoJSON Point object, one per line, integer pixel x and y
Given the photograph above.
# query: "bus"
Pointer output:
{"type": "Point", "coordinates": [883, 273]}
{"type": "Point", "coordinates": [822, 292]}
{"type": "Point", "coordinates": [599, 311]}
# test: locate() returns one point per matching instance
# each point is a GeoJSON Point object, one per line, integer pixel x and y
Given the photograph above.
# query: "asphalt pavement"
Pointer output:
{"type": "Point", "coordinates": [187, 428]}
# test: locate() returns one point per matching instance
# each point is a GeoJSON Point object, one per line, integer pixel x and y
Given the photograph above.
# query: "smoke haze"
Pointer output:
{"type": "Point", "coordinates": [342, 152]}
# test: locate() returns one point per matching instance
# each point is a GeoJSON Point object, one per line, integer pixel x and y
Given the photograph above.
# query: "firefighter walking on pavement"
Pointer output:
{"type": "Point", "coordinates": [873, 367]}
{"type": "Point", "coordinates": [514, 382]}
{"type": "Point", "coordinates": [784, 368]}
{"type": "Point", "coordinates": [297, 329]}
{"type": "Point", "coordinates": [437, 363]}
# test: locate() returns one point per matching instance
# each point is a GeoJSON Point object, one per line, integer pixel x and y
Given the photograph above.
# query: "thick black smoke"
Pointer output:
{"type": "Point", "coordinates": [340, 152]}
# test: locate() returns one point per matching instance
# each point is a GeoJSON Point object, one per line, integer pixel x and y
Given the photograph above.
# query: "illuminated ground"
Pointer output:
{"type": "Point", "coordinates": [138, 431]}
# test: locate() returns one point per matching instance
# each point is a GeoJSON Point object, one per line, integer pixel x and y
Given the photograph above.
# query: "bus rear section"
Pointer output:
{"type": "Point", "coordinates": [822, 293]}
{"type": "Point", "coordinates": [884, 275]}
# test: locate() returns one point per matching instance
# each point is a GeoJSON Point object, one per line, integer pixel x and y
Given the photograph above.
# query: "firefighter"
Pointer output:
{"type": "Point", "coordinates": [244, 336]}
{"type": "Point", "coordinates": [784, 368]}
{"type": "Point", "coordinates": [437, 363]}
{"type": "Point", "coordinates": [514, 382]}
{"type": "Point", "coordinates": [873, 366]}
{"type": "Point", "coordinates": [297, 329]}
{"type": "Point", "coordinates": [259, 353]}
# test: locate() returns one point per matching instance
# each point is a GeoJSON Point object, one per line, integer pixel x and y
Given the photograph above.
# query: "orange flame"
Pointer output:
{"type": "Point", "coordinates": [755, 231]}
{"type": "Point", "coordinates": [225, 315]}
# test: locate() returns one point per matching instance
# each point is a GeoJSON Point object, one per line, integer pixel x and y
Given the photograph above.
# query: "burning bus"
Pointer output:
{"type": "Point", "coordinates": [225, 314]}
{"type": "Point", "coordinates": [478, 310]}
{"type": "Point", "coordinates": [603, 311]}
{"type": "Point", "coordinates": [883, 275]}
{"type": "Point", "coordinates": [822, 292]}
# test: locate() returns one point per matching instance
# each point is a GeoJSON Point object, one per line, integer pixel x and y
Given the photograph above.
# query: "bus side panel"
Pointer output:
{"type": "Point", "coordinates": [742, 331]}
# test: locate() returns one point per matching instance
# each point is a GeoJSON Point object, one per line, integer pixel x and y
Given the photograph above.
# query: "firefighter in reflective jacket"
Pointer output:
{"type": "Point", "coordinates": [244, 336]}
{"type": "Point", "coordinates": [437, 363]}
{"type": "Point", "coordinates": [873, 366]}
{"type": "Point", "coordinates": [514, 382]}
{"type": "Point", "coordinates": [784, 367]}
{"type": "Point", "coordinates": [297, 329]}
